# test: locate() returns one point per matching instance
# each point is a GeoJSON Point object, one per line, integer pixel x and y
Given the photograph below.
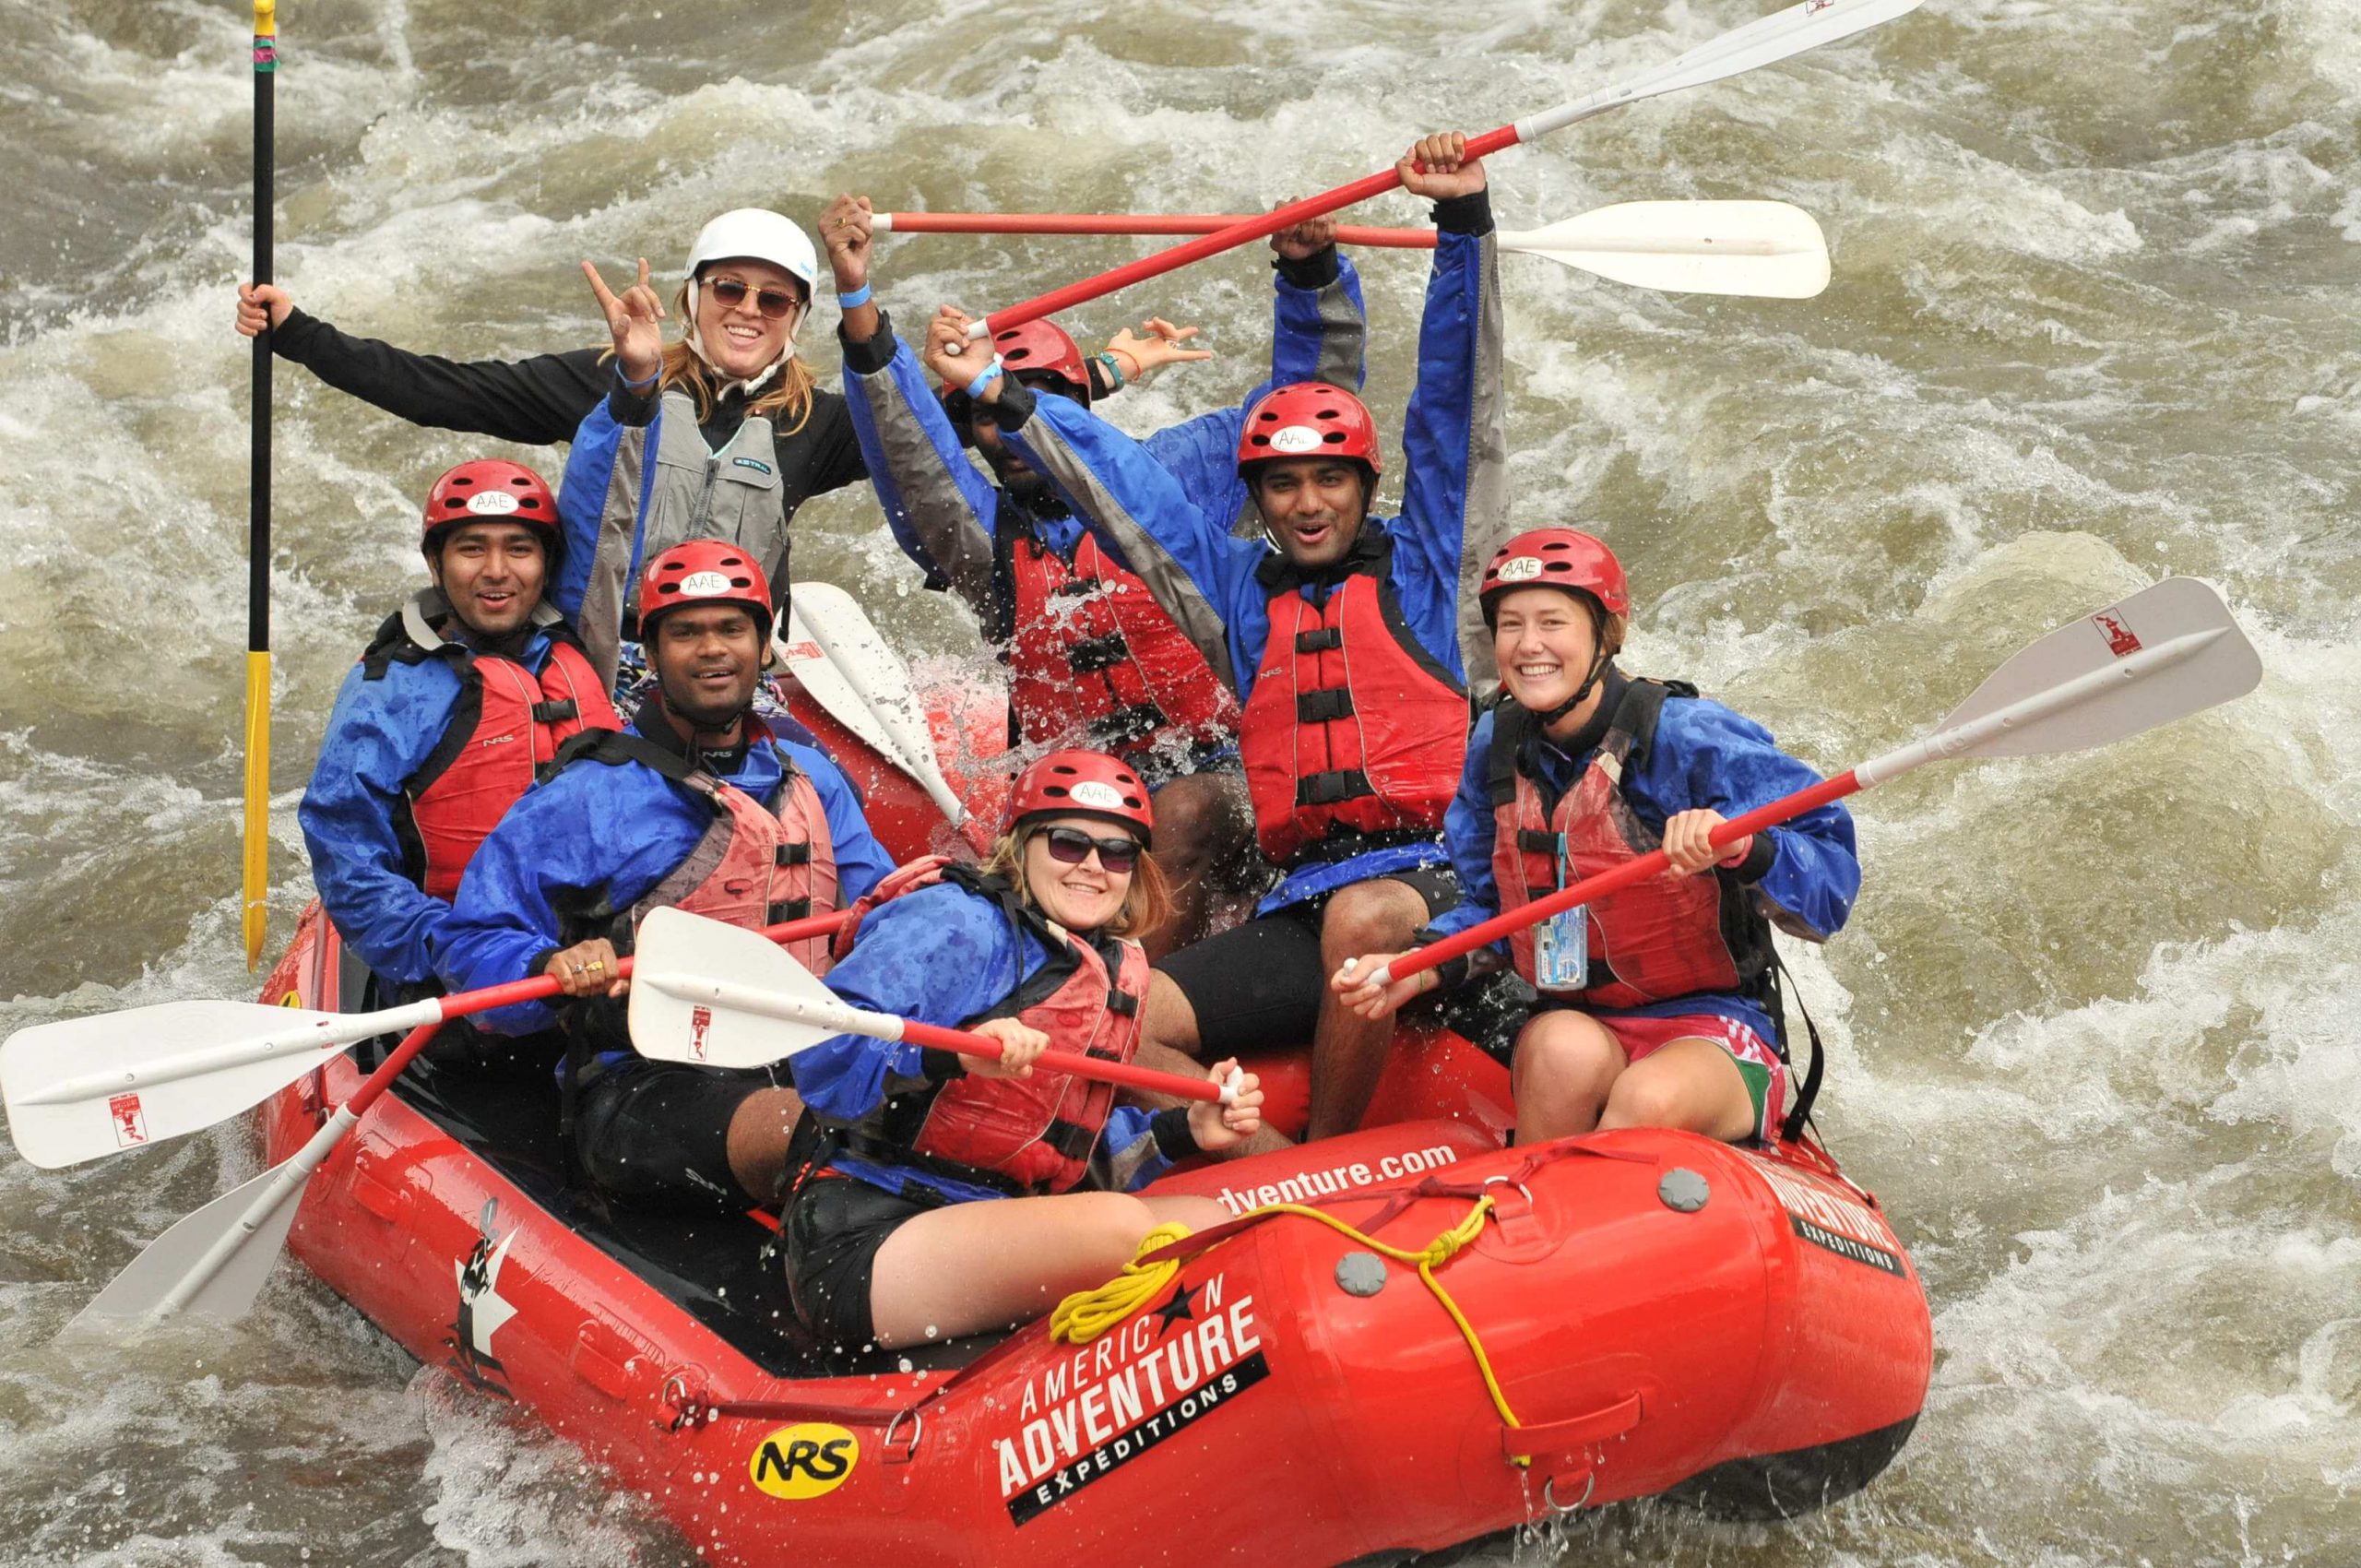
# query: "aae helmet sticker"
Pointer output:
{"type": "Point", "coordinates": [1093, 792]}
{"type": "Point", "coordinates": [800, 1462]}
{"type": "Point", "coordinates": [1519, 568]}
{"type": "Point", "coordinates": [704, 585]}
{"type": "Point", "coordinates": [1295, 439]}
{"type": "Point", "coordinates": [492, 503]}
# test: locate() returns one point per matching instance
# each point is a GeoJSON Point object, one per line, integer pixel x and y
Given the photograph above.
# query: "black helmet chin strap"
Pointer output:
{"type": "Point", "coordinates": [1590, 682]}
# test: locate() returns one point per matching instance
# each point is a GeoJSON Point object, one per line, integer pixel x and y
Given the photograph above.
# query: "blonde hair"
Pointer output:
{"type": "Point", "coordinates": [789, 394]}
{"type": "Point", "coordinates": [1147, 905]}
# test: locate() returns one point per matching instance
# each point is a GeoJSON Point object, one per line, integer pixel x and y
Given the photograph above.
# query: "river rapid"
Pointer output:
{"type": "Point", "coordinates": [2091, 323]}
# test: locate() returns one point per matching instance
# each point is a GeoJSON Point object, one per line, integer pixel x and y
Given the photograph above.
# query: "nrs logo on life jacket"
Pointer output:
{"type": "Point", "coordinates": [795, 1464]}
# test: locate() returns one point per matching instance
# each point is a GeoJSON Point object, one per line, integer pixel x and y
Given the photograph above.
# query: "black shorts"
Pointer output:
{"type": "Point", "coordinates": [659, 1131]}
{"type": "Point", "coordinates": [1259, 985]}
{"type": "Point", "coordinates": [831, 1234]}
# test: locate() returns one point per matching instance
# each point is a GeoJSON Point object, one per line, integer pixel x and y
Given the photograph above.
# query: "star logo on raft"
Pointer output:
{"type": "Point", "coordinates": [1095, 1409]}
{"type": "Point", "coordinates": [482, 1309]}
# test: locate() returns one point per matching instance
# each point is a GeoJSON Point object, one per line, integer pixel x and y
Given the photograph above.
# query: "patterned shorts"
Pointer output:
{"type": "Point", "coordinates": [1758, 1061]}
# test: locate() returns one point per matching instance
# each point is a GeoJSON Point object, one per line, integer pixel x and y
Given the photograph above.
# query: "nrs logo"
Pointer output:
{"type": "Point", "coordinates": [800, 1462]}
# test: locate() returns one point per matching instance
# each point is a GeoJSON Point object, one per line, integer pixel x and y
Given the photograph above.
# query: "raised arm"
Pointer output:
{"type": "Point", "coordinates": [1454, 445]}
{"type": "Point", "coordinates": [1201, 577]}
{"type": "Point", "coordinates": [534, 401]}
{"type": "Point", "coordinates": [1318, 333]}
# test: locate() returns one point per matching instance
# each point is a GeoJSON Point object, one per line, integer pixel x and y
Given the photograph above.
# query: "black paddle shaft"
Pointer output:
{"type": "Point", "coordinates": [258, 478]}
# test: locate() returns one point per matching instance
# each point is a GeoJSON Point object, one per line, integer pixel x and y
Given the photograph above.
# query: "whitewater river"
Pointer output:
{"type": "Point", "coordinates": [2091, 323]}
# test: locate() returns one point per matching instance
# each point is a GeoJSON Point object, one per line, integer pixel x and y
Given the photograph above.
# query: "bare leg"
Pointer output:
{"type": "Point", "coordinates": [759, 1132]}
{"type": "Point", "coordinates": [1566, 1065]}
{"type": "Point", "coordinates": [984, 1266]}
{"type": "Point", "coordinates": [1202, 829]}
{"type": "Point", "coordinates": [1689, 1084]}
{"type": "Point", "coordinates": [1349, 1050]}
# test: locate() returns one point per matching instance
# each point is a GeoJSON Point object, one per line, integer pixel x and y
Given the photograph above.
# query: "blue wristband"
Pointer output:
{"type": "Point", "coordinates": [984, 378]}
{"type": "Point", "coordinates": [631, 385]}
{"type": "Point", "coordinates": [858, 297]}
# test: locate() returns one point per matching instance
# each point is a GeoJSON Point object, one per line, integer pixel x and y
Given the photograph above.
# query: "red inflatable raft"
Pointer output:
{"type": "Point", "coordinates": [1645, 1313]}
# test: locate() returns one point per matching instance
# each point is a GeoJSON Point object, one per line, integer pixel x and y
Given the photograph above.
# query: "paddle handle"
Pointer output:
{"type": "Point", "coordinates": [1485, 933]}
{"type": "Point", "coordinates": [1066, 1062]}
{"type": "Point", "coordinates": [1240, 234]}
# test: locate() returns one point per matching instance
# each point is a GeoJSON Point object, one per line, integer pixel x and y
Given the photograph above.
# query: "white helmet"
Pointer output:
{"type": "Point", "coordinates": [757, 235]}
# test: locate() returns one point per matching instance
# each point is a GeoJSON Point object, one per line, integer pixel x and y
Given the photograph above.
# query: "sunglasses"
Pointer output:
{"type": "Point", "coordinates": [773, 303]}
{"type": "Point", "coordinates": [1072, 846]}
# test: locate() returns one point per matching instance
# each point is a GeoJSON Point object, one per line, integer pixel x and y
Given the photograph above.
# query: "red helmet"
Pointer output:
{"type": "Point", "coordinates": [1082, 783]}
{"type": "Point", "coordinates": [1042, 348]}
{"type": "Point", "coordinates": [1559, 558]}
{"type": "Point", "coordinates": [1310, 419]}
{"type": "Point", "coordinates": [703, 571]}
{"type": "Point", "coordinates": [492, 490]}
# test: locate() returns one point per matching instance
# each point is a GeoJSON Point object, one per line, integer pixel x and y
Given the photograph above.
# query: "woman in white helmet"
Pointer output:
{"type": "Point", "coordinates": [720, 433]}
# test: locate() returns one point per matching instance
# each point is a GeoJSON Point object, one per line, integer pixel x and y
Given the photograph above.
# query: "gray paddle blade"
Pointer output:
{"type": "Point", "coordinates": [2164, 653]}
{"type": "Point", "coordinates": [233, 1242]}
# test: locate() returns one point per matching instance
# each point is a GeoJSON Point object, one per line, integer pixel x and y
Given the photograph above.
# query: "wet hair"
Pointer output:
{"type": "Point", "coordinates": [1147, 905]}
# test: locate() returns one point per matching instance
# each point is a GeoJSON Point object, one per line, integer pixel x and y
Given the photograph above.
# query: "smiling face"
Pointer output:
{"type": "Point", "coordinates": [1080, 897]}
{"type": "Point", "coordinates": [706, 659]}
{"type": "Point", "coordinates": [739, 341]}
{"type": "Point", "coordinates": [491, 573]}
{"type": "Point", "coordinates": [1546, 643]}
{"type": "Point", "coordinates": [1312, 506]}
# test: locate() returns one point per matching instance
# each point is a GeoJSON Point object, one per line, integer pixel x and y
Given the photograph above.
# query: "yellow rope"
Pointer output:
{"type": "Point", "coordinates": [1086, 1315]}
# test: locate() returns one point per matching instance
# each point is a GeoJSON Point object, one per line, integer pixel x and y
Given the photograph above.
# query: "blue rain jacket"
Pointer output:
{"type": "Point", "coordinates": [590, 842]}
{"type": "Point", "coordinates": [942, 955]}
{"type": "Point", "coordinates": [1454, 457]}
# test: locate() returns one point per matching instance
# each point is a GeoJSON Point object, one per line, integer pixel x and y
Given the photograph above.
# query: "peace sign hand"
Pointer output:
{"type": "Point", "coordinates": [639, 343]}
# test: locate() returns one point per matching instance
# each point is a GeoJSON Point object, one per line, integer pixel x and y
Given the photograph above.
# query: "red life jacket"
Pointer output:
{"type": "Point", "coordinates": [1353, 731]}
{"type": "Point", "coordinates": [1653, 941]}
{"type": "Point", "coordinates": [506, 725]}
{"type": "Point", "coordinates": [751, 866]}
{"type": "Point", "coordinates": [1031, 1135]}
{"type": "Point", "coordinates": [1097, 660]}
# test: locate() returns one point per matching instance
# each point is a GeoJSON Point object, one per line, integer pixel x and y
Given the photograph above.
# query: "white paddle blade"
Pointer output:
{"type": "Point", "coordinates": [879, 681]}
{"type": "Point", "coordinates": [251, 1244]}
{"type": "Point", "coordinates": [801, 655]}
{"type": "Point", "coordinates": [1807, 25]}
{"type": "Point", "coordinates": [2164, 653]}
{"type": "Point", "coordinates": [1764, 249]}
{"type": "Point", "coordinates": [689, 977]}
{"type": "Point", "coordinates": [83, 1088]}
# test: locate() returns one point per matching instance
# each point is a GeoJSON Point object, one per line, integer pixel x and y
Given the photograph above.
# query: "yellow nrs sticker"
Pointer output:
{"type": "Point", "coordinates": [800, 1462]}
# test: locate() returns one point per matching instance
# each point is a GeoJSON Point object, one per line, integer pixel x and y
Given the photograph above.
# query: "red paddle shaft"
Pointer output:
{"type": "Point", "coordinates": [1064, 1061]}
{"type": "Point", "coordinates": [533, 989]}
{"type": "Point", "coordinates": [1238, 233]}
{"type": "Point", "coordinates": [1624, 875]}
{"type": "Point", "coordinates": [1362, 235]}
